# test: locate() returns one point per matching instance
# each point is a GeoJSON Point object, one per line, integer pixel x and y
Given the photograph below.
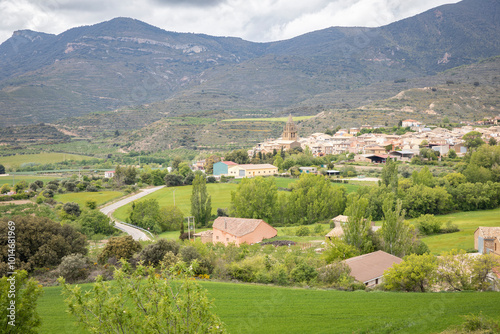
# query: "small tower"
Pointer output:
{"type": "Point", "coordinates": [290, 130]}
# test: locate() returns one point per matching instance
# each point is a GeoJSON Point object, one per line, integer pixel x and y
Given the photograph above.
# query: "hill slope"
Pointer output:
{"type": "Point", "coordinates": [125, 62]}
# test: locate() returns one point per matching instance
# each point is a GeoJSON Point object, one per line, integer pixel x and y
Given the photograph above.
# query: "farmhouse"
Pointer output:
{"type": "Point", "coordinates": [240, 171]}
{"type": "Point", "coordinates": [369, 268]}
{"type": "Point", "coordinates": [109, 174]}
{"type": "Point", "coordinates": [487, 240]}
{"type": "Point", "coordinates": [222, 167]}
{"type": "Point", "coordinates": [241, 230]}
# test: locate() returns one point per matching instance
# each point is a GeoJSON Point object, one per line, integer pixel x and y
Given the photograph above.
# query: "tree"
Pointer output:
{"type": "Point", "coordinates": [91, 204]}
{"type": "Point", "coordinates": [201, 202]}
{"type": "Point", "coordinates": [472, 140]}
{"type": "Point", "coordinates": [165, 302]}
{"type": "Point", "coordinates": [120, 248]}
{"type": "Point", "coordinates": [255, 198]}
{"type": "Point", "coordinates": [152, 254]}
{"type": "Point", "coordinates": [398, 237]}
{"type": "Point", "coordinates": [416, 273]}
{"type": "Point", "coordinates": [314, 198]}
{"type": "Point", "coordinates": [170, 218]}
{"type": "Point", "coordinates": [358, 226]}
{"type": "Point", "coordinates": [146, 214]}
{"type": "Point", "coordinates": [424, 177]}
{"type": "Point", "coordinates": [95, 222]}
{"type": "Point", "coordinates": [173, 180]}
{"type": "Point", "coordinates": [452, 154]}
{"type": "Point", "coordinates": [2, 169]}
{"type": "Point", "coordinates": [238, 156]}
{"type": "Point", "coordinates": [5, 188]}
{"type": "Point", "coordinates": [338, 250]}
{"type": "Point", "coordinates": [40, 242]}
{"type": "Point", "coordinates": [20, 186]}
{"type": "Point", "coordinates": [22, 316]}
{"type": "Point", "coordinates": [176, 162]}
{"type": "Point", "coordinates": [130, 175]}
{"type": "Point", "coordinates": [389, 175]}
{"type": "Point", "coordinates": [278, 162]}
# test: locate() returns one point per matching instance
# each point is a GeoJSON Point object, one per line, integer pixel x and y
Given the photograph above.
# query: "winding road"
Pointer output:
{"type": "Point", "coordinates": [134, 232]}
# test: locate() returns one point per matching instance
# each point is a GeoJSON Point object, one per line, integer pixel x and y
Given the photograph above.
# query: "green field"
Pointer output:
{"type": "Point", "coordinates": [246, 308]}
{"type": "Point", "coordinates": [41, 158]}
{"type": "Point", "coordinates": [100, 197]}
{"type": "Point", "coordinates": [28, 178]}
{"type": "Point", "coordinates": [273, 119]}
{"type": "Point", "coordinates": [467, 222]}
{"type": "Point", "coordinates": [220, 192]}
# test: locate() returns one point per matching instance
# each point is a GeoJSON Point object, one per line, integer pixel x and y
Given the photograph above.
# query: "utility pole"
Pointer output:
{"type": "Point", "coordinates": [191, 226]}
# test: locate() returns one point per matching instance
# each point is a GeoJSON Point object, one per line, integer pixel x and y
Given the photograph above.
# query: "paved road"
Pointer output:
{"type": "Point", "coordinates": [135, 233]}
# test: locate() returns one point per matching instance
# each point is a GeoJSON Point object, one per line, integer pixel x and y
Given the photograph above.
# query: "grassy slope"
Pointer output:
{"type": "Point", "coordinates": [271, 119]}
{"type": "Point", "coordinates": [248, 308]}
{"type": "Point", "coordinates": [41, 158]}
{"type": "Point", "coordinates": [467, 222]}
{"type": "Point", "coordinates": [100, 197]}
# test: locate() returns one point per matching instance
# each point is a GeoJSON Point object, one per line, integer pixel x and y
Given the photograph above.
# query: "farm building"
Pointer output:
{"type": "Point", "coordinates": [241, 230]}
{"type": "Point", "coordinates": [221, 167]}
{"type": "Point", "coordinates": [369, 268]}
{"type": "Point", "coordinates": [403, 155]}
{"type": "Point", "coordinates": [487, 240]}
{"type": "Point", "coordinates": [240, 171]}
{"type": "Point", "coordinates": [308, 170]}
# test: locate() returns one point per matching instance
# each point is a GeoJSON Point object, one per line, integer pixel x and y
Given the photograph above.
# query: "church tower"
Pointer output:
{"type": "Point", "coordinates": [290, 130]}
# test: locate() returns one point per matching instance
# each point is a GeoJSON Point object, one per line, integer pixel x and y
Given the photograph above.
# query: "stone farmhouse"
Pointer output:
{"type": "Point", "coordinates": [487, 240]}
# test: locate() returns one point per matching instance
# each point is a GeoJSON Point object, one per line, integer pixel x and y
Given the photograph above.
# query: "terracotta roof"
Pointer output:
{"type": "Point", "coordinates": [229, 163]}
{"type": "Point", "coordinates": [489, 232]}
{"type": "Point", "coordinates": [372, 265]}
{"type": "Point", "coordinates": [237, 226]}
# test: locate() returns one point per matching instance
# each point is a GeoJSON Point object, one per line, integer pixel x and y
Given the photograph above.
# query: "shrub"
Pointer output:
{"type": "Point", "coordinates": [119, 247]}
{"type": "Point", "coordinates": [480, 323]}
{"type": "Point", "coordinates": [211, 179]}
{"type": "Point", "coordinates": [335, 274]}
{"type": "Point", "coordinates": [189, 253]}
{"type": "Point", "coordinates": [428, 224]}
{"type": "Point", "coordinates": [303, 273]}
{"type": "Point", "coordinates": [170, 259]}
{"type": "Point", "coordinates": [74, 267]}
{"type": "Point", "coordinates": [95, 222]}
{"type": "Point", "coordinates": [450, 227]}
{"type": "Point", "coordinates": [91, 204]}
{"type": "Point", "coordinates": [302, 231]}
{"type": "Point", "coordinates": [92, 188]}
{"type": "Point", "coordinates": [318, 229]}
{"type": "Point", "coordinates": [154, 253]}
{"type": "Point", "coordinates": [72, 208]}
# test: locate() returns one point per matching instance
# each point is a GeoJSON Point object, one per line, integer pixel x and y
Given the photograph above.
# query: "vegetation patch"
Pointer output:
{"type": "Point", "coordinates": [82, 198]}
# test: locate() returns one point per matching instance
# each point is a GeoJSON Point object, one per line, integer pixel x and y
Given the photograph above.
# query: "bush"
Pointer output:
{"type": "Point", "coordinates": [450, 228]}
{"type": "Point", "coordinates": [170, 259]}
{"type": "Point", "coordinates": [92, 188]}
{"type": "Point", "coordinates": [211, 179]}
{"type": "Point", "coordinates": [302, 231]}
{"type": "Point", "coordinates": [91, 204]}
{"type": "Point", "coordinates": [189, 253]}
{"type": "Point", "coordinates": [336, 274]}
{"type": "Point", "coordinates": [74, 267]}
{"type": "Point", "coordinates": [428, 224]}
{"type": "Point", "coordinates": [119, 247]}
{"type": "Point", "coordinates": [72, 208]}
{"type": "Point", "coordinates": [154, 253]}
{"type": "Point", "coordinates": [95, 222]}
{"type": "Point", "coordinates": [303, 273]}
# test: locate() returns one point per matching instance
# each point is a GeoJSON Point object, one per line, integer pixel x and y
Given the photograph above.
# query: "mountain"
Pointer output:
{"type": "Point", "coordinates": [125, 64]}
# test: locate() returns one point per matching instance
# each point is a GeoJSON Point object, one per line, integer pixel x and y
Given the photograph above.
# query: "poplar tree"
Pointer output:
{"type": "Point", "coordinates": [201, 202]}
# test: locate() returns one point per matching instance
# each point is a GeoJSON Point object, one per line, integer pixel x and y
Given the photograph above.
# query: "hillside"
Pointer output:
{"type": "Point", "coordinates": [125, 64]}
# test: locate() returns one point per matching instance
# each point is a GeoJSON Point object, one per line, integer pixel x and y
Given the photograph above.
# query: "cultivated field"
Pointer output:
{"type": "Point", "coordinates": [41, 158]}
{"type": "Point", "coordinates": [248, 308]}
{"type": "Point", "coordinates": [467, 222]}
{"type": "Point", "coordinates": [100, 197]}
{"type": "Point", "coordinates": [28, 178]}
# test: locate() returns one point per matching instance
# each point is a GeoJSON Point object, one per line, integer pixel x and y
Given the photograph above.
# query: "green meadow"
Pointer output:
{"type": "Point", "coordinates": [247, 308]}
{"type": "Point", "coordinates": [467, 222]}
{"type": "Point", "coordinates": [40, 158]}
{"type": "Point", "coordinates": [100, 197]}
{"type": "Point", "coordinates": [271, 119]}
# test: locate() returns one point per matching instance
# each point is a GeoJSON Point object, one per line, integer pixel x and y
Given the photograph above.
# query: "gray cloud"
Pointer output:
{"type": "Point", "coordinates": [255, 20]}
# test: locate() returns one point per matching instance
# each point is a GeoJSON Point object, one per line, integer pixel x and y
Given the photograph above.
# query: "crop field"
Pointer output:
{"type": "Point", "coordinates": [249, 308]}
{"type": "Point", "coordinates": [467, 222]}
{"type": "Point", "coordinates": [100, 197]}
{"type": "Point", "coordinates": [28, 178]}
{"type": "Point", "coordinates": [271, 119]}
{"type": "Point", "coordinates": [41, 158]}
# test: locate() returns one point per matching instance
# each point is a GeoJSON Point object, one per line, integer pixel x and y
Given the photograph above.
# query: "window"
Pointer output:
{"type": "Point", "coordinates": [376, 280]}
{"type": "Point", "coordinates": [217, 237]}
{"type": "Point", "coordinates": [227, 239]}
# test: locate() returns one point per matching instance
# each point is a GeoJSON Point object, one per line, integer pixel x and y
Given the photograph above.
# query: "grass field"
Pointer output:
{"type": "Point", "coordinates": [28, 178]}
{"type": "Point", "coordinates": [220, 192]}
{"type": "Point", "coordinates": [274, 119]}
{"type": "Point", "coordinates": [246, 308]}
{"type": "Point", "coordinates": [100, 197]}
{"type": "Point", "coordinates": [467, 222]}
{"type": "Point", "coordinates": [41, 158]}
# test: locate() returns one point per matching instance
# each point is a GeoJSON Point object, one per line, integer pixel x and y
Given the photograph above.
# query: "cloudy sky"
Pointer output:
{"type": "Point", "coordinates": [254, 20]}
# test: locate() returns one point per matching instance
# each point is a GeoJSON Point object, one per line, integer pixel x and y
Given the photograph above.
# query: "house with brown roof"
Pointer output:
{"type": "Point", "coordinates": [241, 230]}
{"type": "Point", "coordinates": [369, 268]}
{"type": "Point", "coordinates": [487, 240]}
